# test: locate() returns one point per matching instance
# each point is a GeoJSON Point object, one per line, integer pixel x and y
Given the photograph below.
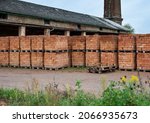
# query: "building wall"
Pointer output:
{"type": "Point", "coordinates": [25, 20]}
{"type": "Point", "coordinates": [51, 24]}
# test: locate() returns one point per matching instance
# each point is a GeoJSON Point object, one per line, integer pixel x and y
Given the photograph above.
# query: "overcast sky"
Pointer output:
{"type": "Point", "coordinates": [134, 12]}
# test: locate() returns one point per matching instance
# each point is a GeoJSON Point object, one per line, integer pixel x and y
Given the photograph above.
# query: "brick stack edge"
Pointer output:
{"type": "Point", "coordinates": [4, 47]}
{"type": "Point", "coordinates": [56, 59]}
{"type": "Point", "coordinates": [143, 52]}
{"type": "Point", "coordinates": [78, 50]}
{"type": "Point", "coordinates": [37, 43]}
{"type": "Point", "coordinates": [108, 47]}
{"type": "Point", "coordinates": [92, 57]}
{"type": "Point", "coordinates": [127, 54]}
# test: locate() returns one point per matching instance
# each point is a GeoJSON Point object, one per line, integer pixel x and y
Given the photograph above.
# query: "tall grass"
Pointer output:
{"type": "Point", "coordinates": [127, 93]}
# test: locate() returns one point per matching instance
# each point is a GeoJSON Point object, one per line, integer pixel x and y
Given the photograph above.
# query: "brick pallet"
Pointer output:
{"type": "Point", "coordinates": [143, 61]}
{"type": "Point", "coordinates": [56, 60]}
{"type": "Point", "coordinates": [92, 58]}
{"type": "Point", "coordinates": [55, 43]}
{"type": "Point", "coordinates": [37, 59]}
{"type": "Point", "coordinates": [37, 43]}
{"type": "Point", "coordinates": [126, 61]}
{"type": "Point", "coordinates": [108, 43]}
{"type": "Point", "coordinates": [4, 58]}
{"type": "Point", "coordinates": [14, 58]}
{"type": "Point", "coordinates": [4, 43]}
{"type": "Point", "coordinates": [109, 59]}
{"type": "Point", "coordinates": [78, 59]}
{"type": "Point", "coordinates": [126, 43]}
{"type": "Point", "coordinates": [78, 50]}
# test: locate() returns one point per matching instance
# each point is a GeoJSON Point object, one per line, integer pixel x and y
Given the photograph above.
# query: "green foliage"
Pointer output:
{"type": "Point", "coordinates": [117, 94]}
{"type": "Point", "coordinates": [130, 28]}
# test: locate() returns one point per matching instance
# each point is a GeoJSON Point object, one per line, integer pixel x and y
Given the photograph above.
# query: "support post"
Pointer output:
{"type": "Point", "coordinates": [47, 32]}
{"type": "Point", "coordinates": [22, 31]}
{"type": "Point", "coordinates": [67, 33]}
{"type": "Point", "coordinates": [83, 33]}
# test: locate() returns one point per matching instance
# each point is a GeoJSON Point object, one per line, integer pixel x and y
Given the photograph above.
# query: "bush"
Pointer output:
{"type": "Point", "coordinates": [123, 93]}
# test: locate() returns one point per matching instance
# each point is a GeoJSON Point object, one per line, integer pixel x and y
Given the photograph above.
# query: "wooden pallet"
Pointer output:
{"type": "Point", "coordinates": [102, 69]}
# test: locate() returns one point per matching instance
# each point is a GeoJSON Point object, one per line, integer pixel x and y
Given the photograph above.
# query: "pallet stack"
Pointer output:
{"type": "Point", "coordinates": [4, 51]}
{"type": "Point", "coordinates": [127, 52]}
{"type": "Point", "coordinates": [92, 50]}
{"type": "Point", "coordinates": [108, 47]}
{"type": "Point", "coordinates": [37, 52]}
{"type": "Point", "coordinates": [14, 53]}
{"type": "Point", "coordinates": [56, 52]}
{"type": "Point", "coordinates": [78, 50]}
{"type": "Point", "coordinates": [143, 52]}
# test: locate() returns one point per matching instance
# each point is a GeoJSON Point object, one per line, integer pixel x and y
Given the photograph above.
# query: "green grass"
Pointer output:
{"type": "Point", "coordinates": [117, 94]}
{"type": "Point", "coordinates": [75, 69]}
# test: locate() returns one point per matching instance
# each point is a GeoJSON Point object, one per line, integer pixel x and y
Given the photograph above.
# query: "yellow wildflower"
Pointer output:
{"type": "Point", "coordinates": [134, 79]}
{"type": "Point", "coordinates": [124, 79]}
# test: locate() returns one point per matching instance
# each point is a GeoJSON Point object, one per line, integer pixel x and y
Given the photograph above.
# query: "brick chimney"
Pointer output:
{"type": "Point", "coordinates": [112, 10]}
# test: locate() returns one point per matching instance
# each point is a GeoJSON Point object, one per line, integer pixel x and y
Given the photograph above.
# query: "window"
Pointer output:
{"type": "Point", "coordinates": [3, 16]}
{"type": "Point", "coordinates": [46, 21]}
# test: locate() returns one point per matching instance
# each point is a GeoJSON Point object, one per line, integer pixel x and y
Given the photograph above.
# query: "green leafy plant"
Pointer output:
{"type": "Point", "coordinates": [126, 92]}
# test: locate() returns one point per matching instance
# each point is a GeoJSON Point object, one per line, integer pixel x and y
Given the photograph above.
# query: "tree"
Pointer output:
{"type": "Point", "coordinates": [130, 28]}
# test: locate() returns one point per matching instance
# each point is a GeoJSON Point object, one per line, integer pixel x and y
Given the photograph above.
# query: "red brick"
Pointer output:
{"type": "Point", "coordinates": [4, 43]}
{"type": "Point", "coordinates": [37, 59]}
{"type": "Point", "coordinates": [14, 58]}
{"type": "Point", "coordinates": [25, 59]}
{"type": "Point", "coordinates": [37, 42]}
{"type": "Point", "coordinates": [14, 43]}
{"type": "Point", "coordinates": [109, 58]}
{"type": "Point", "coordinates": [92, 42]}
{"type": "Point", "coordinates": [25, 43]}
{"type": "Point", "coordinates": [69, 43]}
{"type": "Point", "coordinates": [92, 58]}
{"type": "Point", "coordinates": [78, 42]}
{"type": "Point", "coordinates": [78, 59]}
{"type": "Point", "coordinates": [4, 58]}
{"type": "Point", "coordinates": [56, 60]}
{"type": "Point", "coordinates": [143, 61]}
{"type": "Point", "coordinates": [126, 42]}
{"type": "Point", "coordinates": [143, 43]}
{"type": "Point", "coordinates": [56, 43]}
{"type": "Point", "coordinates": [126, 60]}
{"type": "Point", "coordinates": [108, 42]}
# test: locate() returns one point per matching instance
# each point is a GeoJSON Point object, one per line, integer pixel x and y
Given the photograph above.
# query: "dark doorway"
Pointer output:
{"type": "Point", "coordinates": [8, 30]}
{"type": "Point", "coordinates": [34, 31]}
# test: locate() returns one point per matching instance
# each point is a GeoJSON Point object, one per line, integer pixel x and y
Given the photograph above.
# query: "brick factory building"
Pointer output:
{"type": "Point", "coordinates": [40, 37]}
{"type": "Point", "coordinates": [18, 18]}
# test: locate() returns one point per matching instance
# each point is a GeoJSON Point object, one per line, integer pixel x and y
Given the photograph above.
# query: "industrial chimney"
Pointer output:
{"type": "Point", "coordinates": [112, 10]}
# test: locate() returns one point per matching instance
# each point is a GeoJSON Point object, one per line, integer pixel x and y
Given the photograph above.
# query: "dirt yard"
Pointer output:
{"type": "Point", "coordinates": [22, 78]}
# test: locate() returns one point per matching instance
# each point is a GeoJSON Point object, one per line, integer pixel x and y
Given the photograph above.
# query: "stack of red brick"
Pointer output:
{"type": "Point", "coordinates": [126, 48]}
{"type": "Point", "coordinates": [126, 51]}
{"type": "Point", "coordinates": [56, 59]}
{"type": "Point", "coordinates": [108, 47]}
{"type": "Point", "coordinates": [34, 51]}
{"type": "Point", "coordinates": [4, 47]}
{"type": "Point", "coordinates": [92, 50]}
{"type": "Point", "coordinates": [78, 50]}
{"type": "Point", "coordinates": [143, 55]}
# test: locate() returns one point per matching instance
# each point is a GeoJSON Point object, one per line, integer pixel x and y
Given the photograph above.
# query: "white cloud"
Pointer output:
{"type": "Point", "coordinates": [134, 12]}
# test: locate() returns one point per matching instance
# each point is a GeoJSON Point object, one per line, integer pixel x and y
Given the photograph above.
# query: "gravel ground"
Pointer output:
{"type": "Point", "coordinates": [22, 78]}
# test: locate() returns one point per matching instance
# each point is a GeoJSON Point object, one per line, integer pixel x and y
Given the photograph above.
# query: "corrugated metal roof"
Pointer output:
{"type": "Point", "coordinates": [39, 11]}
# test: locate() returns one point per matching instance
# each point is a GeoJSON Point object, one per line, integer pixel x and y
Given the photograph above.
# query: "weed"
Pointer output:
{"type": "Point", "coordinates": [122, 93]}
